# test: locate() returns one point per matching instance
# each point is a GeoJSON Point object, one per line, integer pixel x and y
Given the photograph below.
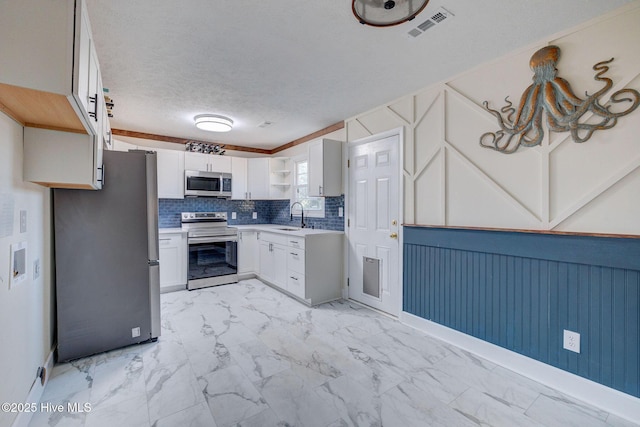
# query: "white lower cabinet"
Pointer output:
{"type": "Point", "coordinates": [248, 253]}
{"type": "Point", "coordinates": [173, 261]}
{"type": "Point", "coordinates": [309, 267]}
{"type": "Point", "coordinates": [273, 259]}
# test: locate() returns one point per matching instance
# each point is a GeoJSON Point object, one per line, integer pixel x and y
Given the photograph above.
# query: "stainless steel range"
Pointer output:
{"type": "Point", "coordinates": [213, 249]}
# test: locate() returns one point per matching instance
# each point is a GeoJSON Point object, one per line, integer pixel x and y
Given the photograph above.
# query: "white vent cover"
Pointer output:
{"type": "Point", "coordinates": [440, 15]}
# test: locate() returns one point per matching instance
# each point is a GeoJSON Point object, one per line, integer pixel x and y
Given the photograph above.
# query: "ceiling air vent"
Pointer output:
{"type": "Point", "coordinates": [440, 15]}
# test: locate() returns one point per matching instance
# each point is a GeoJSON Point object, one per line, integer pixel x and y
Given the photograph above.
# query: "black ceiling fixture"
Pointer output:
{"type": "Point", "coordinates": [385, 13]}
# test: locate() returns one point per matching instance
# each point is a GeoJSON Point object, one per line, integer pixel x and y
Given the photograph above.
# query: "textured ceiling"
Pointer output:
{"type": "Point", "coordinates": [301, 64]}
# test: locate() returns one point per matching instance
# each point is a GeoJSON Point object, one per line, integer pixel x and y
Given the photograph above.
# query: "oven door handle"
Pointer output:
{"type": "Point", "coordinates": [217, 239]}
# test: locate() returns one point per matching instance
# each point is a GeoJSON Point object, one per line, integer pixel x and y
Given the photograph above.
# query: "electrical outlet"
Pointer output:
{"type": "Point", "coordinates": [135, 332]}
{"type": "Point", "coordinates": [571, 341]}
{"type": "Point", "coordinates": [255, 215]}
{"type": "Point", "coordinates": [340, 212]}
{"type": "Point", "coordinates": [234, 215]}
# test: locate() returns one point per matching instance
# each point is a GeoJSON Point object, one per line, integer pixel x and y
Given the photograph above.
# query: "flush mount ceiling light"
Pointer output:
{"type": "Point", "coordinates": [384, 13]}
{"type": "Point", "coordinates": [213, 123]}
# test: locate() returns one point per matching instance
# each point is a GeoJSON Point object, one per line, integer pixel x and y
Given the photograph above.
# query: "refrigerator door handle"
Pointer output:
{"type": "Point", "coordinates": [153, 262]}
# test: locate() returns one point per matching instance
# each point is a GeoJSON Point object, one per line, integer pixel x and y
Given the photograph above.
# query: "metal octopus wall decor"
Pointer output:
{"type": "Point", "coordinates": [552, 95]}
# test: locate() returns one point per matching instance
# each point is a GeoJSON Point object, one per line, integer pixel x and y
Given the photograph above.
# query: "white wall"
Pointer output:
{"type": "Point", "coordinates": [26, 310]}
{"type": "Point", "coordinates": [449, 180]}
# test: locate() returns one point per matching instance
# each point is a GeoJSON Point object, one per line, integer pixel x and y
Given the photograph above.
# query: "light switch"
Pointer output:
{"type": "Point", "coordinates": [255, 215]}
{"type": "Point", "coordinates": [340, 211]}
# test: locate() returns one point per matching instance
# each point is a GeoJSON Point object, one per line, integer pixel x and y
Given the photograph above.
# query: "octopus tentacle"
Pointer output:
{"type": "Point", "coordinates": [537, 131]}
{"type": "Point", "coordinates": [606, 123]}
{"type": "Point", "coordinates": [563, 87]}
{"type": "Point", "coordinates": [550, 101]}
{"type": "Point", "coordinates": [615, 99]}
{"type": "Point", "coordinates": [529, 98]}
{"type": "Point", "coordinates": [602, 68]}
{"type": "Point", "coordinates": [508, 110]}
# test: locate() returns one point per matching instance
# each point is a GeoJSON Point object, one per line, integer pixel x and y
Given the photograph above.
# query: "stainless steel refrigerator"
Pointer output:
{"type": "Point", "coordinates": [106, 259]}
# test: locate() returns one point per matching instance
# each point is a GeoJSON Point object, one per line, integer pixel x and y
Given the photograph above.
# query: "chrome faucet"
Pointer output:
{"type": "Point", "coordinates": [302, 224]}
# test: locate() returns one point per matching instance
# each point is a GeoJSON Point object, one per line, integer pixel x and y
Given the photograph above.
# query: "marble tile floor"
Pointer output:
{"type": "Point", "coordinates": [247, 355]}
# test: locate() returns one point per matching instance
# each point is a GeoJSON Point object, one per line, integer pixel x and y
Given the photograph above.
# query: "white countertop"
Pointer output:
{"type": "Point", "coordinates": [290, 231]}
{"type": "Point", "coordinates": [271, 228]}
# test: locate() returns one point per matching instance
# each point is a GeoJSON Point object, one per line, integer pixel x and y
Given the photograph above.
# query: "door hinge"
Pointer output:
{"type": "Point", "coordinates": [347, 282]}
{"type": "Point", "coordinates": [348, 163]}
{"type": "Point", "coordinates": [348, 222]}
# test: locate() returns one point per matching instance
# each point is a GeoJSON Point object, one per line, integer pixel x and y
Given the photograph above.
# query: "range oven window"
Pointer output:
{"type": "Point", "coordinates": [199, 183]}
{"type": "Point", "coordinates": [212, 259]}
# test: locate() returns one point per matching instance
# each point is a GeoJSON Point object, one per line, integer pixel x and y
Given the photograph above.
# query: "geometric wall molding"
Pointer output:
{"type": "Point", "coordinates": [547, 188]}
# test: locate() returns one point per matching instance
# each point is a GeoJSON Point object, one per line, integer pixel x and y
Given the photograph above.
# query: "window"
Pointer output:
{"type": "Point", "coordinates": [313, 206]}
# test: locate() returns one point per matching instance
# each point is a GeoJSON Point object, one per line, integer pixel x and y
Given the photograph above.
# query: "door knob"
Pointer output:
{"type": "Point", "coordinates": [394, 235]}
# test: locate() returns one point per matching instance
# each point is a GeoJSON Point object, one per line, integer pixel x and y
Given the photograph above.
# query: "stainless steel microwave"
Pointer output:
{"type": "Point", "coordinates": [207, 184]}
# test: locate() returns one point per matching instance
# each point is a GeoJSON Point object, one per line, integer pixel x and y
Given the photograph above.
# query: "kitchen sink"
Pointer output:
{"type": "Point", "coordinates": [288, 229]}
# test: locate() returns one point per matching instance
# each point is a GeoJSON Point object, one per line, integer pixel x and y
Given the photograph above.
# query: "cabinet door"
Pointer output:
{"type": "Point", "coordinates": [169, 249]}
{"type": "Point", "coordinates": [170, 174]}
{"type": "Point", "coordinates": [325, 168]}
{"type": "Point", "coordinates": [266, 261]}
{"type": "Point", "coordinates": [219, 163]}
{"type": "Point", "coordinates": [76, 167]}
{"type": "Point", "coordinates": [279, 265]}
{"type": "Point", "coordinates": [316, 171]}
{"type": "Point", "coordinates": [258, 178]}
{"type": "Point", "coordinates": [247, 244]}
{"type": "Point", "coordinates": [196, 162]}
{"type": "Point", "coordinates": [83, 58]}
{"type": "Point", "coordinates": [239, 178]}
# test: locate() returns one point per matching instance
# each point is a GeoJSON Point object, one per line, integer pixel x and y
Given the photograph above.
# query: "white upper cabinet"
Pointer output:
{"type": "Point", "coordinates": [62, 159]}
{"type": "Point", "coordinates": [207, 162]}
{"type": "Point", "coordinates": [50, 70]}
{"type": "Point", "coordinates": [258, 178]}
{"type": "Point", "coordinates": [239, 189]}
{"type": "Point", "coordinates": [51, 80]}
{"type": "Point", "coordinates": [170, 174]}
{"type": "Point", "coordinates": [325, 168]}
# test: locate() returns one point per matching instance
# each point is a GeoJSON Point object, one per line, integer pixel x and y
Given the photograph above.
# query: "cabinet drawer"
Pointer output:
{"type": "Point", "coordinates": [165, 241]}
{"type": "Point", "coordinates": [295, 284]}
{"type": "Point", "coordinates": [295, 242]}
{"type": "Point", "coordinates": [273, 238]}
{"type": "Point", "coordinates": [295, 260]}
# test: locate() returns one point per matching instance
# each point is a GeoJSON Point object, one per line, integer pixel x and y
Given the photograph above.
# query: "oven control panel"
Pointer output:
{"type": "Point", "coordinates": [203, 216]}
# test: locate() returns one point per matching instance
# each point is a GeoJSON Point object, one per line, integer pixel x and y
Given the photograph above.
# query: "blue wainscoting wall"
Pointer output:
{"type": "Point", "coordinates": [269, 211]}
{"type": "Point", "coordinates": [521, 290]}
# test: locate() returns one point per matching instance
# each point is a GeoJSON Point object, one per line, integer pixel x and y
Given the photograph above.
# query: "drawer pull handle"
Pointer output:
{"type": "Point", "coordinates": [294, 278]}
{"type": "Point", "coordinates": [292, 253]}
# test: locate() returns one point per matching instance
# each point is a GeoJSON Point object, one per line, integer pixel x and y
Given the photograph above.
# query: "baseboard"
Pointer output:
{"type": "Point", "coordinates": [598, 395]}
{"type": "Point", "coordinates": [246, 276]}
{"type": "Point", "coordinates": [35, 394]}
{"type": "Point", "coordinates": [172, 288]}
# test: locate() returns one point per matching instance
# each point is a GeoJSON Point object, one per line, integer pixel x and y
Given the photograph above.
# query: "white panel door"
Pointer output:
{"type": "Point", "coordinates": [373, 223]}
